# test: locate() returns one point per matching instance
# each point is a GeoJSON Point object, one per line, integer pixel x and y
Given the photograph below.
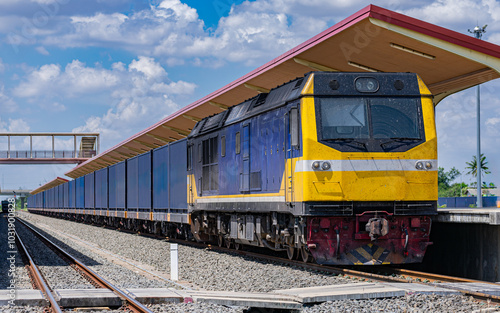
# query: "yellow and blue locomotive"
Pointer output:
{"type": "Point", "coordinates": [338, 166]}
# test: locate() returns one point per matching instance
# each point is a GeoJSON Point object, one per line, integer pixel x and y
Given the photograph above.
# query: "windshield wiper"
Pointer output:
{"type": "Point", "coordinates": [399, 139]}
{"type": "Point", "coordinates": [405, 138]}
{"type": "Point", "coordinates": [348, 140]}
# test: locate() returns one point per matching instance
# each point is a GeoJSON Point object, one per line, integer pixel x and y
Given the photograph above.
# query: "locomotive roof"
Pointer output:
{"type": "Point", "coordinates": [446, 61]}
{"type": "Point", "coordinates": [292, 90]}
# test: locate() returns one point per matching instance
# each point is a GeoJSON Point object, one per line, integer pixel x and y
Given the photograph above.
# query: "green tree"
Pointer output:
{"type": "Point", "coordinates": [472, 166]}
{"type": "Point", "coordinates": [445, 178]}
{"type": "Point", "coordinates": [445, 186]}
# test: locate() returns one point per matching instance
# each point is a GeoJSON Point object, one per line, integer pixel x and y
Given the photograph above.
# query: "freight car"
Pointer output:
{"type": "Point", "coordinates": [338, 167]}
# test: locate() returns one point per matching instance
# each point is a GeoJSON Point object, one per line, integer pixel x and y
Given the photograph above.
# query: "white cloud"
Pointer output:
{"type": "Point", "coordinates": [42, 50]}
{"type": "Point", "coordinates": [127, 118]}
{"type": "Point", "coordinates": [172, 31]}
{"type": "Point", "coordinates": [18, 125]}
{"type": "Point", "coordinates": [137, 94]}
{"type": "Point", "coordinates": [493, 121]}
{"type": "Point", "coordinates": [459, 15]}
{"type": "Point", "coordinates": [7, 104]}
{"type": "Point", "coordinates": [14, 125]}
{"type": "Point", "coordinates": [51, 81]}
{"type": "Point", "coordinates": [148, 67]}
{"type": "Point", "coordinates": [254, 32]}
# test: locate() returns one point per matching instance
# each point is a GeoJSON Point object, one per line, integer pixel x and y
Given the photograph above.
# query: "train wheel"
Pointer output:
{"type": "Point", "coordinates": [220, 240]}
{"type": "Point", "coordinates": [306, 256]}
{"type": "Point", "coordinates": [237, 246]}
{"type": "Point", "coordinates": [290, 252]}
{"type": "Point", "coordinates": [227, 241]}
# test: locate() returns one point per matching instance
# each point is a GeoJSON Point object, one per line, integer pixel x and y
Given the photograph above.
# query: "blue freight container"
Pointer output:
{"type": "Point", "coordinates": [66, 195]}
{"type": "Point", "coordinates": [89, 191]}
{"type": "Point", "coordinates": [101, 188]}
{"type": "Point", "coordinates": [178, 174]}
{"type": "Point", "coordinates": [160, 178]}
{"type": "Point", "coordinates": [52, 198]}
{"type": "Point", "coordinates": [80, 192]}
{"type": "Point", "coordinates": [132, 183]}
{"type": "Point", "coordinates": [61, 197]}
{"type": "Point", "coordinates": [49, 198]}
{"type": "Point", "coordinates": [71, 191]}
{"type": "Point", "coordinates": [144, 181]}
{"type": "Point", "coordinates": [139, 182]}
{"type": "Point", "coordinates": [117, 186]}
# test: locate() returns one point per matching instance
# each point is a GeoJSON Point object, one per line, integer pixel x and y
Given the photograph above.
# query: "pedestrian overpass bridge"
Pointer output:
{"type": "Point", "coordinates": [88, 147]}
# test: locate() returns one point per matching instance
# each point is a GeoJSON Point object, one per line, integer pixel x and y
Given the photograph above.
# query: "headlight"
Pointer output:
{"type": "Point", "coordinates": [321, 166]}
{"type": "Point", "coordinates": [366, 84]}
{"type": "Point", "coordinates": [423, 165]}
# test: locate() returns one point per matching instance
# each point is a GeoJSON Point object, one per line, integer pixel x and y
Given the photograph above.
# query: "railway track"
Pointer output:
{"type": "Point", "coordinates": [97, 280]}
{"type": "Point", "coordinates": [36, 277]}
{"type": "Point", "coordinates": [397, 275]}
{"type": "Point", "coordinates": [383, 274]}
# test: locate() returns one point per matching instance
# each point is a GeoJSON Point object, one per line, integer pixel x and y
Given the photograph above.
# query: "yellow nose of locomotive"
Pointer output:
{"type": "Point", "coordinates": [367, 140]}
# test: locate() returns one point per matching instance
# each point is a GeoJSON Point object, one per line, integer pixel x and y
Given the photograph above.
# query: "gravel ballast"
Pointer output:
{"type": "Point", "coordinates": [114, 273]}
{"type": "Point", "coordinates": [416, 303]}
{"type": "Point", "coordinates": [56, 271]}
{"type": "Point", "coordinates": [21, 309]}
{"type": "Point", "coordinates": [21, 279]}
{"type": "Point", "coordinates": [211, 270]}
{"type": "Point", "coordinates": [207, 269]}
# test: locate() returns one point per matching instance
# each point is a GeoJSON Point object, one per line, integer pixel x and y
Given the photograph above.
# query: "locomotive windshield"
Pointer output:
{"type": "Point", "coordinates": [370, 123]}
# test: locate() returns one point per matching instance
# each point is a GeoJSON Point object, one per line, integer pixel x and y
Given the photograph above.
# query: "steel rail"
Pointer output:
{"type": "Point", "coordinates": [431, 276]}
{"type": "Point", "coordinates": [37, 277]}
{"type": "Point", "coordinates": [132, 304]}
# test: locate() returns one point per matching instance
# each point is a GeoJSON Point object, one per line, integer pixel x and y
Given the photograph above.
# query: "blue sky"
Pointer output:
{"type": "Point", "coordinates": [118, 66]}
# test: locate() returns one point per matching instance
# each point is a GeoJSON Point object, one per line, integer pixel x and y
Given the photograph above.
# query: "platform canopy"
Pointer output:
{"type": "Point", "coordinates": [373, 39]}
{"type": "Point", "coordinates": [51, 184]}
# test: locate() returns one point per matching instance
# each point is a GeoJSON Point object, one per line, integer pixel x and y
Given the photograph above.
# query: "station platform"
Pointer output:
{"type": "Point", "coordinates": [489, 216]}
{"type": "Point", "coordinates": [466, 243]}
{"type": "Point", "coordinates": [289, 299]}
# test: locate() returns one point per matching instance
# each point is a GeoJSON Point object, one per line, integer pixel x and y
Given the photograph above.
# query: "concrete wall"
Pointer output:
{"type": "Point", "coordinates": [463, 249]}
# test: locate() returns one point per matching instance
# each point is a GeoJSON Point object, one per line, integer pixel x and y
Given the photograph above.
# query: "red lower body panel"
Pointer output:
{"type": "Point", "coordinates": [370, 238]}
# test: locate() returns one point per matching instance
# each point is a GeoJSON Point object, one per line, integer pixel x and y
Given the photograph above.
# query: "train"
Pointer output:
{"type": "Point", "coordinates": [339, 168]}
{"type": "Point", "coordinates": [5, 206]}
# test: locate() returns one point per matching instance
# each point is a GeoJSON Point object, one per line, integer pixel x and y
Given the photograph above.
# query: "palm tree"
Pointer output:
{"type": "Point", "coordinates": [472, 166]}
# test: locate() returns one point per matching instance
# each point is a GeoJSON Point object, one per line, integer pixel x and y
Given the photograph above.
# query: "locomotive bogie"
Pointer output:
{"type": "Point", "coordinates": [361, 240]}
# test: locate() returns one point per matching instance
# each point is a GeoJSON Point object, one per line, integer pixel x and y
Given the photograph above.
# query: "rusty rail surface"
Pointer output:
{"type": "Point", "coordinates": [431, 277]}
{"type": "Point", "coordinates": [131, 303]}
{"type": "Point", "coordinates": [36, 277]}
